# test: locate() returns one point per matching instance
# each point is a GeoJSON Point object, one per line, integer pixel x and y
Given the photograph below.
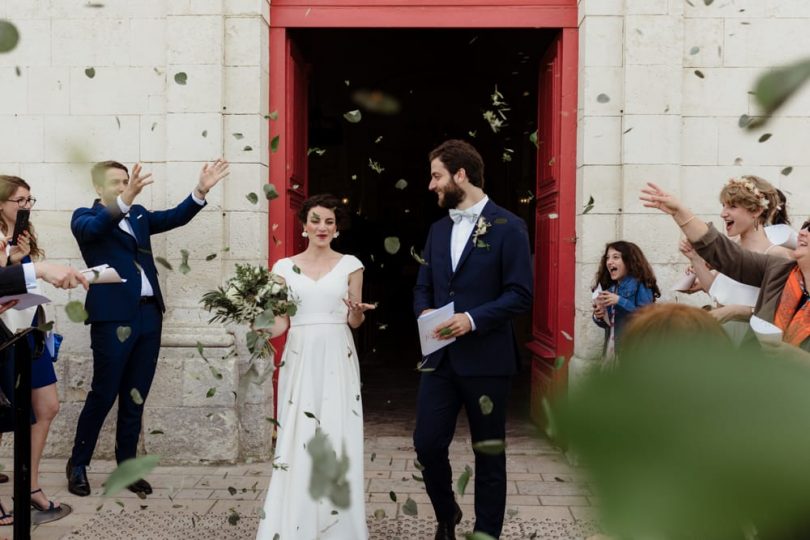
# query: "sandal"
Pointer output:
{"type": "Point", "coordinates": [5, 515]}
{"type": "Point", "coordinates": [36, 506]}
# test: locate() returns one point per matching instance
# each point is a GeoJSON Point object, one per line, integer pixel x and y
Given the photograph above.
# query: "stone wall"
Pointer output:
{"type": "Point", "coordinates": [54, 118]}
{"type": "Point", "coordinates": [666, 123]}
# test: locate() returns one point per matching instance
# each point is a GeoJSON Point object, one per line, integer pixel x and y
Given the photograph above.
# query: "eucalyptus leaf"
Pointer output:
{"type": "Point", "coordinates": [765, 137]}
{"type": "Point", "coordinates": [137, 399]}
{"type": "Point", "coordinates": [270, 192]}
{"type": "Point", "coordinates": [273, 115]}
{"type": "Point", "coordinates": [9, 36]}
{"type": "Point", "coordinates": [317, 151]}
{"type": "Point", "coordinates": [90, 72]}
{"type": "Point", "coordinates": [75, 311]}
{"type": "Point", "coordinates": [252, 197]}
{"type": "Point", "coordinates": [205, 133]}
{"type": "Point", "coordinates": [328, 475]}
{"type": "Point", "coordinates": [401, 184]}
{"type": "Point", "coordinates": [181, 78]}
{"type": "Point", "coordinates": [559, 362]}
{"type": "Point", "coordinates": [264, 320]}
{"type": "Point", "coordinates": [603, 98]}
{"type": "Point", "coordinates": [774, 88]}
{"type": "Point", "coordinates": [238, 136]}
{"type": "Point", "coordinates": [128, 472]}
{"type": "Point", "coordinates": [45, 327]}
{"type": "Point", "coordinates": [123, 333]}
{"type": "Point", "coordinates": [699, 74]}
{"type": "Point", "coordinates": [490, 447]}
{"type": "Point", "coordinates": [445, 332]}
{"type": "Point", "coordinates": [379, 513]}
{"type": "Point", "coordinates": [410, 508]}
{"type": "Point", "coordinates": [392, 496]}
{"type": "Point", "coordinates": [417, 257]}
{"type": "Point", "coordinates": [353, 116]}
{"type": "Point", "coordinates": [486, 405]}
{"type": "Point", "coordinates": [463, 480]}
{"type": "Point", "coordinates": [588, 206]}
{"type": "Point", "coordinates": [184, 268]}
{"type": "Point", "coordinates": [375, 166]}
{"type": "Point", "coordinates": [164, 263]}
{"type": "Point", "coordinates": [274, 143]}
{"type": "Point", "coordinates": [694, 50]}
{"type": "Point", "coordinates": [211, 257]}
{"type": "Point", "coordinates": [211, 392]}
{"type": "Point", "coordinates": [786, 171]}
{"type": "Point", "coordinates": [533, 139]}
{"type": "Point", "coordinates": [247, 149]}
{"type": "Point", "coordinates": [233, 517]}
{"type": "Point", "coordinates": [478, 535]}
{"type": "Point", "coordinates": [391, 245]}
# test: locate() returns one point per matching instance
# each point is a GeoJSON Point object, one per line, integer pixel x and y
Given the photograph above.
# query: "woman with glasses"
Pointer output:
{"type": "Point", "coordinates": [15, 194]}
{"type": "Point", "coordinates": [783, 294]}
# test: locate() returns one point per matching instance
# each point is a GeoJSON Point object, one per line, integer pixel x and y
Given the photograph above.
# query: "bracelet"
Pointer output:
{"type": "Point", "coordinates": [685, 222]}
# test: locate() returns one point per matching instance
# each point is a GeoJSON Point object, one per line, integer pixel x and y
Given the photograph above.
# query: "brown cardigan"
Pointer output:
{"type": "Point", "coordinates": [765, 271]}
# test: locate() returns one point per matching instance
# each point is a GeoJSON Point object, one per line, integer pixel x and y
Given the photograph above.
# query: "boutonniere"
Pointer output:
{"type": "Point", "coordinates": [481, 228]}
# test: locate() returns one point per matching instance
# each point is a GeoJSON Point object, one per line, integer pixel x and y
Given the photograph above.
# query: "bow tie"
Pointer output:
{"type": "Point", "coordinates": [458, 215]}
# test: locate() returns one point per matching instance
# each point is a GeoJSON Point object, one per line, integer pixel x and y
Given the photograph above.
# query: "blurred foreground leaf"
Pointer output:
{"type": "Point", "coordinates": [128, 472]}
{"type": "Point", "coordinates": [9, 36]}
{"type": "Point", "coordinates": [75, 311]}
{"type": "Point", "coordinates": [328, 477]}
{"type": "Point", "coordinates": [774, 88]}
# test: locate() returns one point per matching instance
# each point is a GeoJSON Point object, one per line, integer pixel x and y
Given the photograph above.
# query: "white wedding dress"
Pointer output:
{"type": "Point", "coordinates": [319, 377]}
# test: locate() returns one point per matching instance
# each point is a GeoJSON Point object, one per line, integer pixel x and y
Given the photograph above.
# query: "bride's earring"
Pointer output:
{"type": "Point", "coordinates": [304, 234]}
{"type": "Point", "coordinates": [337, 233]}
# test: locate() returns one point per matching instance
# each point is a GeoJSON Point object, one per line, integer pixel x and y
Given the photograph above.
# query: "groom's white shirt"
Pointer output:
{"type": "Point", "coordinates": [459, 236]}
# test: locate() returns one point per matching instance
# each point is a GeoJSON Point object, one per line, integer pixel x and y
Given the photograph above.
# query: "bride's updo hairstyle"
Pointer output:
{"type": "Point", "coordinates": [325, 200]}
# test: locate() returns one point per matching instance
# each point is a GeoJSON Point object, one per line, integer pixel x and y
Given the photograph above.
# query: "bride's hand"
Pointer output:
{"type": "Point", "coordinates": [358, 307]}
{"type": "Point", "coordinates": [655, 197]}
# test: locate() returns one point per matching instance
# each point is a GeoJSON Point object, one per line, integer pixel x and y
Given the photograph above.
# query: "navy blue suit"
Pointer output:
{"type": "Point", "coordinates": [493, 283]}
{"type": "Point", "coordinates": [119, 367]}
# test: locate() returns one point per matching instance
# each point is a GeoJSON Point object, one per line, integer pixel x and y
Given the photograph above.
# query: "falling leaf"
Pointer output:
{"type": "Point", "coordinates": [533, 139]}
{"type": "Point", "coordinates": [18, 71]}
{"type": "Point", "coordinates": [273, 115]}
{"type": "Point", "coordinates": [378, 140]}
{"type": "Point", "coordinates": [353, 116]}
{"type": "Point", "coordinates": [238, 136]}
{"type": "Point", "coordinates": [128, 472]}
{"type": "Point", "coordinates": [379, 513]}
{"type": "Point", "coordinates": [375, 166]}
{"type": "Point", "coordinates": [559, 362]}
{"type": "Point", "coordinates": [472, 133]}
{"type": "Point", "coordinates": [45, 327]}
{"type": "Point", "coordinates": [588, 206]}
{"type": "Point", "coordinates": [274, 143]}
{"type": "Point", "coordinates": [90, 72]}
{"type": "Point", "coordinates": [764, 137]}
{"type": "Point", "coordinates": [75, 311]}
{"type": "Point", "coordinates": [744, 121]}
{"type": "Point", "coordinates": [184, 268]}
{"type": "Point", "coordinates": [247, 149]}
{"type": "Point", "coordinates": [296, 269]}
{"type": "Point", "coordinates": [490, 447]}
{"type": "Point", "coordinates": [9, 36]}
{"type": "Point", "coordinates": [376, 101]}
{"type": "Point", "coordinates": [409, 508]}
{"type": "Point", "coordinates": [774, 88]}
{"type": "Point", "coordinates": [699, 74]}
{"type": "Point", "coordinates": [316, 150]}
{"type": "Point", "coordinates": [463, 480]}
{"type": "Point", "coordinates": [401, 184]}
{"type": "Point", "coordinates": [708, 2]}
{"type": "Point", "coordinates": [270, 192]}
{"type": "Point", "coordinates": [628, 130]}
{"type": "Point", "coordinates": [391, 245]}
{"type": "Point", "coordinates": [506, 157]}
{"type": "Point", "coordinates": [738, 161]}
{"type": "Point", "coordinates": [694, 50]}
{"type": "Point", "coordinates": [118, 122]}
{"type": "Point", "coordinates": [211, 392]}
{"type": "Point", "coordinates": [310, 415]}
{"type": "Point", "coordinates": [233, 517]}
{"type": "Point", "coordinates": [123, 333]}
{"type": "Point", "coordinates": [553, 216]}
{"type": "Point", "coordinates": [328, 475]}
{"type": "Point", "coordinates": [603, 98]}
{"type": "Point", "coordinates": [486, 405]}
{"type": "Point", "coordinates": [232, 490]}
{"type": "Point", "coordinates": [786, 171]}
{"type": "Point", "coordinates": [211, 257]}
{"type": "Point", "coordinates": [445, 332]}
{"type": "Point", "coordinates": [181, 78]}
{"type": "Point", "coordinates": [418, 258]}
{"type": "Point", "coordinates": [478, 535]}
{"type": "Point", "coordinates": [136, 396]}
{"type": "Point", "coordinates": [566, 335]}
{"type": "Point", "coordinates": [163, 262]}
{"type": "Point", "coordinates": [205, 133]}
{"type": "Point", "coordinates": [252, 197]}
{"type": "Point", "coordinates": [392, 496]}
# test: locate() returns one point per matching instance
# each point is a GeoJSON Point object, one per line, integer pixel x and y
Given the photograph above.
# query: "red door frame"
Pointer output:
{"type": "Point", "coordinates": [555, 338]}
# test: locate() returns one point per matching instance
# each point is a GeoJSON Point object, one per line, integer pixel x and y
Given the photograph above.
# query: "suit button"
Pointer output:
{"type": "Point", "coordinates": [452, 293]}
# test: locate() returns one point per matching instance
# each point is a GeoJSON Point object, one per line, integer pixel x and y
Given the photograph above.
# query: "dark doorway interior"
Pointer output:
{"type": "Point", "coordinates": [414, 89]}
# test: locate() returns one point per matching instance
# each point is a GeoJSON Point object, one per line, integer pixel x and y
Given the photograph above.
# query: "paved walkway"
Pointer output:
{"type": "Point", "coordinates": [541, 485]}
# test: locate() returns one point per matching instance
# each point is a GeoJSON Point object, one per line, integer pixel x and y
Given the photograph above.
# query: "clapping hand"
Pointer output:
{"type": "Point", "coordinates": [211, 175]}
{"type": "Point", "coordinates": [135, 185]}
{"type": "Point", "coordinates": [655, 197]}
{"type": "Point", "coordinates": [606, 299]}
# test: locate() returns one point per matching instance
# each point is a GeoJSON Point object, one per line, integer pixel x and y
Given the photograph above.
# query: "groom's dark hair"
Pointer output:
{"type": "Point", "coordinates": [456, 154]}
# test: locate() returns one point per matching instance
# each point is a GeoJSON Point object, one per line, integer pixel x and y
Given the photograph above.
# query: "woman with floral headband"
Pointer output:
{"type": "Point", "coordinates": [782, 298]}
{"type": "Point", "coordinates": [750, 203]}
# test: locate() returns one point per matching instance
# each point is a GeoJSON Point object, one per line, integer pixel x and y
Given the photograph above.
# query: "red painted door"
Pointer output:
{"type": "Point", "coordinates": [553, 311]}
{"type": "Point", "coordinates": [288, 162]}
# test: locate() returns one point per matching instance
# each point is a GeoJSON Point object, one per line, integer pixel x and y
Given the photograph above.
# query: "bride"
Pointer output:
{"type": "Point", "coordinates": [319, 384]}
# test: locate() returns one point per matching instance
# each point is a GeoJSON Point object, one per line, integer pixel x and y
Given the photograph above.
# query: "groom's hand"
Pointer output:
{"type": "Point", "coordinates": [455, 326]}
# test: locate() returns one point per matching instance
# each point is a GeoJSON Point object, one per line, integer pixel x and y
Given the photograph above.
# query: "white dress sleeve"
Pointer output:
{"type": "Point", "coordinates": [279, 268]}
{"type": "Point", "coordinates": [352, 263]}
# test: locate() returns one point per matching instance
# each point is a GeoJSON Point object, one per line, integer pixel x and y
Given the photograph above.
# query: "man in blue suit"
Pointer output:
{"type": "Point", "coordinates": [479, 258]}
{"type": "Point", "coordinates": [117, 232]}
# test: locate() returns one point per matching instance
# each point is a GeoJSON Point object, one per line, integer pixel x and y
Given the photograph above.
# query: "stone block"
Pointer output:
{"type": "Point", "coordinates": [601, 144]}
{"type": "Point", "coordinates": [153, 138]}
{"type": "Point", "coordinates": [247, 234]}
{"type": "Point", "coordinates": [656, 235]}
{"type": "Point", "coordinates": [243, 38]}
{"type": "Point", "coordinates": [48, 89]}
{"type": "Point", "coordinates": [787, 8]}
{"type": "Point", "coordinates": [75, 139]}
{"type": "Point", "coordinates": [708, 37]}
{"type": "Point", "coordinates": [169, 378]}
{"type": "Point", "coordinates": [202, 92]}
{"type": "Point", "coordinates": [787, 144]}
{"type": "Point", "coordinates": [740, 9]}
{"type": "Point", "coordinates": [242, 93]}
{"type": "Point", "coordinates": [14, 129]}
{"type": "Point", "coordinates": [643, 43]}
{"type": "Point", "coordinates": [201, 236]}
{"type": "Point", "coordinates": [194, 40]}
{"type": "Point", "coordinates": [598, 84]}
{"type": "Point", "coordinates": [244, 7]}
{"type": "Point", "coordinates": [646, 7]}
{"type": "Point", "coordinates": [700, 186]}
{"type": "Point", "coordinates": [149, 41]}
{"type": "Point", "coordinates": [182, 176]}
{"type": "Point", "coordinates": [722, 91]}
{"type": "Point", "coordinates": [114, 90]}
{"type": "Point", "coordinates": [34, 47]}
{"type": "Point", "coordinates": [256, 433]}
{"type": "Point", "coordinates": [593, 232]}
{"type": "Point", "coordinates": [86, 43]}
{"type": "Point", "coordinates": [63, 432]}
{"type": "Point", "coordinates": [246, 138]}
{"type": "Point", "coordinates": [192, 434]}
{"type": "Point", "coordinates": [765, 43]}
{"type": "Point", "coordinates": [14, 90]}
{"type": "Point", "coordinates": [198, 380]}
{"type": "Point", "coordinates": [636, 178]}
{"type": "Point", "coordinates": [699, 141]}
{"type": "Point", "coordinates": [186, 291]}
{"type": "Point", "coordinates": [245, 178]}
{"type": "Point", "coordinates": [655, 139]}
{"type": "Point", "coordinates": [601, 41]}
{"type": "Point", "coordinates": [604, 184]}
{"type": "Point", "coordinates": [184, 140]}
{"type": "Point", "coordinates": [601, 7]}
{"type": "Point", "coordinates": [652, 89]}
{"type": "Point", "coordinates": [255, 381]}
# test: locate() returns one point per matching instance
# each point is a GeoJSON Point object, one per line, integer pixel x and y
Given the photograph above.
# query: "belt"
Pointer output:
{"type": "Point", "coordinates": [148, 300]}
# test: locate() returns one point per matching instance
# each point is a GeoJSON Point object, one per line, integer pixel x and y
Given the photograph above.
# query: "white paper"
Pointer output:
{"type": "Point", "coordinates": [428, 322]}
{"type": "Point", "coordinates": [26, 300]}
{"type": "Point", "coordinates": [596, 292]}
{"type": "Point", "coordinates": [106, 274]}
{"type": "Point", "coordinates": [728, 292]}
{"type": "Point", "coordinates": [50, 344]}
{"type": "Point", "coordinates": [765, 331]}
{"type": "Point", "coordinates": [685, 283]}
{"type": "Point", "coordinates": [782, 235]}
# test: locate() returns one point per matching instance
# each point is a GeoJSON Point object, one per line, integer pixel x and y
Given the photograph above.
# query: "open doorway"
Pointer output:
{"type": "Point", "coordinates": [415, 89]}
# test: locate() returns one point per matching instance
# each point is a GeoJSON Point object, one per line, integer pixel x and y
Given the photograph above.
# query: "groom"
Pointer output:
{"type": "Point", "coordinates": [479, 258]}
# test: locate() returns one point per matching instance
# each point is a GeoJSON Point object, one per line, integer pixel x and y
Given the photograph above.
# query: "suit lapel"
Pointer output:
{"type": "Point", "coordinates": [443, 234]}
{"type": "Point", "coordinates": [488, 214]}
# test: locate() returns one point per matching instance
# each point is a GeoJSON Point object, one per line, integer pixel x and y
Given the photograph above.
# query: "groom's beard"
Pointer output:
{"type": "Point", "coordinates": [452, 196]}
